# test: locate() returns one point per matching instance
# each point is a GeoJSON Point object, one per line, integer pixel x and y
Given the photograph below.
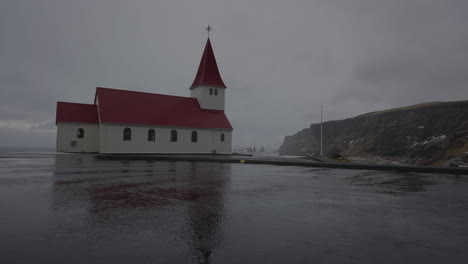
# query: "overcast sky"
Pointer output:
{"type": "Point", "coordinates": [279, 59]}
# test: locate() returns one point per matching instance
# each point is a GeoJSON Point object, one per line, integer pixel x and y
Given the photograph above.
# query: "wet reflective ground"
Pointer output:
{"type": "Point", "coordinates": [75, 209]}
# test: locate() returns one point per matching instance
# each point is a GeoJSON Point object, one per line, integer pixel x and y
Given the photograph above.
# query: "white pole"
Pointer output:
{"type": "Point", "coordinates": [321, 132]}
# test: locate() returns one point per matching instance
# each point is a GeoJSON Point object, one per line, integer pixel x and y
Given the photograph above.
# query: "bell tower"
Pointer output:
{"type": "Point", "coordinates": [208, 87]}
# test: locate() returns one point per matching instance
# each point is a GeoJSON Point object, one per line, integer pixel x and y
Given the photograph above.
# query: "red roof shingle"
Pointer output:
{"type": "Point", "coordinates": [77, 113]}
{"type": "Point", "coordinates": [130, 107]}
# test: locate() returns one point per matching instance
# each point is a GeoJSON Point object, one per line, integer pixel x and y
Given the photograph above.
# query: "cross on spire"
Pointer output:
{"type": "Point", "coordinates": [208, 29]}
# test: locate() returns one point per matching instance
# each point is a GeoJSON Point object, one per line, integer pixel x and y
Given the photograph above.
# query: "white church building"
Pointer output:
{"type": "Point", "coordinates": [122, 121]}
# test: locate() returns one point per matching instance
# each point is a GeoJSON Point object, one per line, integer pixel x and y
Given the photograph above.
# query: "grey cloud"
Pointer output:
{"type": "Point", "coordinates": [280, 59]}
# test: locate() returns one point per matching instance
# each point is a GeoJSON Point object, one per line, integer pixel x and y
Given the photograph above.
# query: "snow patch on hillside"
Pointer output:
{"type": "Point", "coordinates": [352, 142]}
{"type": "Point", "coordinates": [429, 141]}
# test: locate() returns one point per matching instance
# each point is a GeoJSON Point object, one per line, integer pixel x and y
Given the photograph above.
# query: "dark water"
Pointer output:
{"type": "Point", "coordinates": [74, 209]}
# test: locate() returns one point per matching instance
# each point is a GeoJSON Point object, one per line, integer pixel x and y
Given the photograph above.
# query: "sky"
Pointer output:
{"type": "Point", "coordinates": [281, 60]}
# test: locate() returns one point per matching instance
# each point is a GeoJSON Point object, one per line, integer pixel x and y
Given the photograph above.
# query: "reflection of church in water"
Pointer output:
{"type": "Point", "coordinates": [166, 201]}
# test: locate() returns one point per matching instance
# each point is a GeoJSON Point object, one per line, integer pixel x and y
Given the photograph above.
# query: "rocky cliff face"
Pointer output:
{"type": "Point", "coordinates": [425, 134]}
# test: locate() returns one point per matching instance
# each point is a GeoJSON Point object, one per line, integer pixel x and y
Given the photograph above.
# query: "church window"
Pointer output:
{"type": "Point", "coordinates": [80, 133]}
{"type": "Point", "coordinates": [211, 91]}
{"type": "Point", "coordinates": [216, 91]}
{"type": "Point", "coordinates": [151, 135]}
{"type": "Point", "coordinates": [127, 134]}
{"type": "Point", "coordinates": [222, 137]}
{"type": "Point", "coordinates": [194, 136]}
{"type": "Point", "coordinates": [173, 136]}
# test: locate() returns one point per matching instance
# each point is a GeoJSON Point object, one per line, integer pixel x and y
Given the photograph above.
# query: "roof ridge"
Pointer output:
{"type": "Point", "coordinates": [204, 60]}
{"type": "Point", "coordinates": [122, 90]}
{"type": "Point", "coordinates": [63, 102]}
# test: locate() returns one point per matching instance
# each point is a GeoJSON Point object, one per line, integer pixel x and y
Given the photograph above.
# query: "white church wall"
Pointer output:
{"type": "Point", "coordinates": [67, 140]}
{"type": "Point", "coordinates": [208, 140]}
{"type": "Point", "coordinates": [208, 101]}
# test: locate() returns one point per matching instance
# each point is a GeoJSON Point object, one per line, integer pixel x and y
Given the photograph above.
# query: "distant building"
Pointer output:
{"type": "Point", "coordinates": [122, 121]}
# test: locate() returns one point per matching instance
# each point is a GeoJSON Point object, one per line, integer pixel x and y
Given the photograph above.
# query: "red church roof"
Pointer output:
{"type": "Point", "coordinates": [77, 113]}
{"type": "Point", "coordinates": [129, 107]}
{"type": "Point", "coordinates": [208, 73]}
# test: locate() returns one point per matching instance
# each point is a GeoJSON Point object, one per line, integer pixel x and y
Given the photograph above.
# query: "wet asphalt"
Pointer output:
{"type": "Point", "coordinates": [76, 209]}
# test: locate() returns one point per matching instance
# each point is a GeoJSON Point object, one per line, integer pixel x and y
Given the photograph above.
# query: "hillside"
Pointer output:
{"type": "Point", "coordinates": [423, 134]}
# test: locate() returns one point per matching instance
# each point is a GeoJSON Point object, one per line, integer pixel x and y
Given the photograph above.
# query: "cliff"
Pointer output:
{"type": "Point", "coordinates": [424, 134]}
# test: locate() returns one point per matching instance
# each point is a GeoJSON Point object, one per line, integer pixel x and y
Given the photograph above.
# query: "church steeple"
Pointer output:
{"type": "Point", "coordinates": [208, 87]}
{"type": "Point", "coordinates": [208, 73]}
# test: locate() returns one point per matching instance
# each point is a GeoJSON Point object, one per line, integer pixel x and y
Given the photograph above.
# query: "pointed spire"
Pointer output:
{"type": "Point", "coordinates": [208, 73]}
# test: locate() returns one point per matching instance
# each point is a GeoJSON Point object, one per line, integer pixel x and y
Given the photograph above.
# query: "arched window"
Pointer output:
{"type": "Point", "coordinates": [211, 91]}
{"type": "Point", "coordinates": [194, 136]}
{"type": "Point", "coordinates": [216, 91]}
{"type": "Point", "coordinates": [80, 133]}
{"type": "Point", "coordinates": [222, 137]}
{"type": "Point", "coordinates": [173, 136]}
{"type": "Point", "coordinates": [127, 134]}
{"type": "Point", "coordinates": [151, 135]}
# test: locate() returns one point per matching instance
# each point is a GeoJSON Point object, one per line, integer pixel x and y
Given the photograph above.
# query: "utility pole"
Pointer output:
{"type": "Point", "coordinates": [321, 132]}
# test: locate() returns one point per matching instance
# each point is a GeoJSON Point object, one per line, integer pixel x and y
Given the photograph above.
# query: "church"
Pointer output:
{"type": "Point", "coordinates": [123, 121]}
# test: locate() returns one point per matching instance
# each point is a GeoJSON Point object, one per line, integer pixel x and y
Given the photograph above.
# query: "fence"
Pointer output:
{"type": "Point", "coordinates": [242, 150]}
